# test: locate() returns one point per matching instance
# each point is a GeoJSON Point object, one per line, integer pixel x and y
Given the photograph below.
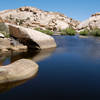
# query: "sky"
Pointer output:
{"type": "Point", "coordinates": [76, 9]}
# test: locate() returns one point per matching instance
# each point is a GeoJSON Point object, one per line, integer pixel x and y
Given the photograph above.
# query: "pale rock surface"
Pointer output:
{"type": "Point", "coordinates": [4, 44]}
{"type": "Point", "coordinates": [19, 70]}
{"type": "Point", "coordinates": [1, 35]}
{"type": "Point", "coordinates": [43, 41]}
{"type": "Point", "coordinates": [91, 23]}
{"type": "Point", "coordinates": [32, 17]}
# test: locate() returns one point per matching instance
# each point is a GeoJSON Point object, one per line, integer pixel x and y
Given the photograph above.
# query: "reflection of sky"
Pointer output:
{"type": "Point", "coordinates": [7, 61]}
{"type": "Point", "coordinates": [89, 48]}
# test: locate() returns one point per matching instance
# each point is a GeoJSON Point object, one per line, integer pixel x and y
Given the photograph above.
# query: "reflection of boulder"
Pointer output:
{"type": "Point", "coordinates": [35, 55]}
{"type": "Point", "coordinates": [7, 86]}
{"type": "Point", "coordinates": [43, 54]}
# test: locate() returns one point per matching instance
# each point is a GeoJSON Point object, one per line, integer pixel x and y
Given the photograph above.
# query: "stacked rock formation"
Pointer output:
{"type": "Point", "coordinates": [32, 17]}
{"type": "Point", "coordinates": [91, 23]}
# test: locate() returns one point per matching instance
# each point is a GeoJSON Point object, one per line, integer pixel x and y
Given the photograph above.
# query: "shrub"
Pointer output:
{"type": "Point", "coordinates": [85, 32]}
{"type": "Point", "coordinates": [10, 17]}
{"type": "Point", "coordinates": [95, 32]}
{"type": "Point", "coordinates": [20, 21]}
{"type": "Point", "coordinates": [7, 35]}
{"type": "Point", "coordinates": [68, 31]}
{"type": "Point", "coordinates": [49, 32]}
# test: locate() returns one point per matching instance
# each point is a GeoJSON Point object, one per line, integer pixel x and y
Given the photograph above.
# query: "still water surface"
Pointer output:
{"type": "Point", "coordinates": [69, 72]}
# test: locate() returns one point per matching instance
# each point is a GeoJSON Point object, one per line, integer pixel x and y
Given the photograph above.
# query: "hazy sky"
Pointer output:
{"type": "Point", "coordinates": [77, 9]}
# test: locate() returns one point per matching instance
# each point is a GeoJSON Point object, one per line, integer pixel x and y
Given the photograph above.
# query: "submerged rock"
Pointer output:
{"type": "Point", "coordinates": [19, 70]}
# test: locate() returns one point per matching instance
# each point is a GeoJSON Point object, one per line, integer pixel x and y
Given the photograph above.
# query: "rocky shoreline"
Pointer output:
{"type": "Point", "coordinates": [22, 28]}
{"type": "Point", "coordinates": [28, 28]}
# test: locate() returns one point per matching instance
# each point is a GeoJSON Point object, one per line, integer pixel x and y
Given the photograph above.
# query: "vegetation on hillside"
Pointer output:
{"type": "Point", "coordinates": [93, 32]}
{"type": "Point", "coordinates": [84, 32]}
{"type": "Point", "coordinates": [7, 35]}
{"type": "Point", "coordinates": [68, 31]}
{"type": "Point", "coordinates": [47, 31]}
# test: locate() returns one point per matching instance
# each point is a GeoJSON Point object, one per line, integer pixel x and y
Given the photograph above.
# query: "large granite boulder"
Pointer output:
{"type": "Point", "coordinates": [4, 44]}
{"type": "Point", "coordinates": [42, 40]}
{"type": "Point", "coordinates": [91, 23]}
{"type": "Point", "coordinates": [32, 17]}
{"type": "Point", "coordinates": [19, 70]}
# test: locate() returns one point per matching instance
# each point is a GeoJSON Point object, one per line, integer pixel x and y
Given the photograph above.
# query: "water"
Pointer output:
{"type": "Point", "coordinates": [69, 72]}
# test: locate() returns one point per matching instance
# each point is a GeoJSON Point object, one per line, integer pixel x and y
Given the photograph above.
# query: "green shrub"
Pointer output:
{"type": "Point", "coordinates": [85, 32]}
{"type": "Point", "coordinates": [10, 17]}
{"type": "Point", "coordinates": [95, 32]}
{"type": "Point", "coordinates": [49, 32]}
{"type": "Point", "coordinates": [7, 35]}
{"type": "Point", "coordinates": [20, 21]}
{"type": "Point", "coordinates": [68, 31]}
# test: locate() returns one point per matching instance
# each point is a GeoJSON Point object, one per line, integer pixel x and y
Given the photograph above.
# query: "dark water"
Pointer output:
{"type": "Point", "coordinates": [69, 72]}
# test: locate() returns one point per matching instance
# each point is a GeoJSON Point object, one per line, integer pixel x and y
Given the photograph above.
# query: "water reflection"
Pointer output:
{"type": "Point", "coordinates": [8, 86]}
{"type": "Point", "coordinates": [85, 47]}
{"type": "Point", "coordinates": [35, 55]}
{"type": "Point", "coordinates": [72, 71]}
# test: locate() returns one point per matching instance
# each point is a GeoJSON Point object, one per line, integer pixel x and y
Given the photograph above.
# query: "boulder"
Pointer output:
{"type": "Point", "coordinates": [19, 70]}
{"type": "Point", "coordinates": [42, 40]}
{"type": "Point", "coordinates": [4, 44]}
{"type": "Point", "coordinates": [91, 23]}
{"type": "Point", "coordinates": [3, 26]}
{"type": "Point", "coordinates": [1, 35]}
{"type": "Point", "coordinates": [32, 17]}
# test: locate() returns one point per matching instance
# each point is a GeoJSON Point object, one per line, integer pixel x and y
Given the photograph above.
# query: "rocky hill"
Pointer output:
{"type": "Point", "coordinates": [91, 23]}
{"type": "Point", "coordinates": [35, 18]}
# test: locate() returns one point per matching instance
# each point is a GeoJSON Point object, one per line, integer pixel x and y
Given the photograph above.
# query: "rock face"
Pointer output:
{"type": "Point", "coordinates": [91, 23]}
{"type": "Point", "coordinates": [4, 44]}
{"type": "Point", "coordinates": [25, 37]}
{"type": "Point", "coordinates": [20, 70]}
{"type": "Point", "coordinates": [32, 17]}
{"type": "Point", "coordinates": [1, 35]}
{"type": "Point", "coordinates": [32, 37]}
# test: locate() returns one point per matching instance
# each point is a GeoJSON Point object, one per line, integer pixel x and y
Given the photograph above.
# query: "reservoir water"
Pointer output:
{"type": "Point", "coordinates": [69, 72]}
